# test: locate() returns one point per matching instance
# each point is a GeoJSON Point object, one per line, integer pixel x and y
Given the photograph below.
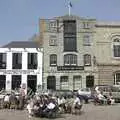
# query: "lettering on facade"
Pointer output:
{"type": "Point", "coordinates": [15, 72]}
{"type": "Point", "coordinates": [60, 68]}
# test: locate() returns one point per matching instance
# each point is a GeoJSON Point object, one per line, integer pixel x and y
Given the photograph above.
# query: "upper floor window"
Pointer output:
{"type": "Point", "coordinates": [86, 40]}
{"type": "Point", "coordinates": [87, 60]}
{"type": "Point", "coordinates": [17, 60]}
{"type": "Point", "coordinates": [116, 47]}
{"type": "Point", "coordinates": [86, 25]}
{"type": "Point", "coordinates": [52, 40]}
{"type": "Point", "coordinates": [53, 60]}
{"type": "Point", "coordinates": [2, 60]}
{"type": "Point", "coordinates": [70, 43]}
{"type": "Point", "coordinates": [70, 59]}
{"type": "Point", "coordinates": [32, 60]}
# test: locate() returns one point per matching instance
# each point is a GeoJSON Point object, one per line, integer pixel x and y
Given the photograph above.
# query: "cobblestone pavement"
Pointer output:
{"type": "Point", "coordinates": [89, 112]}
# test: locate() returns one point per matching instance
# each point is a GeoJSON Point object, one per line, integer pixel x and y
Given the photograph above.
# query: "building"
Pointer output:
{"type": "Point", "coordinates": [21, 65]}
{"type": "Point", "coordinates": [69, 52]}
{"type": "Point", "coordinates": [108, 52]}
{"type": "Point", "coordinates": [79, 52]}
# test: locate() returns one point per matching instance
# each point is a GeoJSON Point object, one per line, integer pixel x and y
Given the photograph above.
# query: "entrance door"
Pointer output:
{"type": "Point", "coordinates": [16, 81]}
{"type": "Point", "coordinates": [89, 81]}
{"type": "Point", "coordinates": [51, 82]}
{"type": "Point", "coordinates": [2, 81]}
{"type": "Point", "coordinates": [32, 82]}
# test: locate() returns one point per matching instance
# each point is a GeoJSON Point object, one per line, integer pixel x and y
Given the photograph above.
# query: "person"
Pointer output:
{"type": "Point", "coordinates": [6, 101]}
{"type": "Point", "coordinates": [76, 105]}
{"type": "Point", "coordinates": [101, 98]}
{"type": "Point", "coordinates": [111, 101]}
{"type": "Point", "coordinates": [30, 108]}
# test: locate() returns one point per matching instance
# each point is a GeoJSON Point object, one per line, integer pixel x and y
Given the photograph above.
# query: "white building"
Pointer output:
{"type": "Point", "coordinates": [21, 65]}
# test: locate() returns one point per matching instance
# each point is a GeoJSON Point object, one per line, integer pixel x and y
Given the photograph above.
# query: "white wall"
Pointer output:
{"type": "Point", "coordinates": [23, 72]}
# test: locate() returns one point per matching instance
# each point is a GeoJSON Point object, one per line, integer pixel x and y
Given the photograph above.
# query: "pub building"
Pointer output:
{"type": "Point", "coordinates": [21, 65]}
{"type": "Point", "coordinates": [69, 55]}
{"type": "Point", "coordinates": [79, 52]}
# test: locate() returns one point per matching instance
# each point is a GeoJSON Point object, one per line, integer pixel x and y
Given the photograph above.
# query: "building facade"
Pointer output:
{"type": "Point", "coordinates": [108, 52]}
{"type": "Point", "coordinates": [69, 52]}
{"type": "Point", "coordinates": [79, 52]}
{"type": "Point", "coordinates": [21, 66]}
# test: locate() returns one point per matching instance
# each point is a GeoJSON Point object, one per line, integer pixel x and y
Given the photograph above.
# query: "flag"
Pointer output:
{"type": "Point", "coordinates": [70, 4]}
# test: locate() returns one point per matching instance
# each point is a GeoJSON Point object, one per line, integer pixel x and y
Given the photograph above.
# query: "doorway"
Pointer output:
{"type": "Point", "coordinates": [32, 82]}
{"type": "Point", "coordinates": [89, 81]}
{"type": "Point", "coordinates": [51, 82]}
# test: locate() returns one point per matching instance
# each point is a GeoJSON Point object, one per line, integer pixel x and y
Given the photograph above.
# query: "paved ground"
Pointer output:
{"type": "Point", "coordinates": [89, 112]}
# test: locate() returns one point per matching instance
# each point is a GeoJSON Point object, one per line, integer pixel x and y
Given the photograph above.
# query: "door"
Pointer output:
{"type": "Point", "coordinates": [32, 82]}
{"type": "Point", "coordinates": [2, 81]}
{"type": "Point", "coordinates": [51, 82]}
{"type": "Point", "coordinates": [89, 81]}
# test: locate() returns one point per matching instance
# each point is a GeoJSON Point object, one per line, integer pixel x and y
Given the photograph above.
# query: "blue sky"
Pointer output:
{"type": "Point", "coordinates": [19, 18]}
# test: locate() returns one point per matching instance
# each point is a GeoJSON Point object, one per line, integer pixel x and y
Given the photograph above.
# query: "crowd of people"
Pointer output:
{"type": "Point", "coordinates": [49, 105]}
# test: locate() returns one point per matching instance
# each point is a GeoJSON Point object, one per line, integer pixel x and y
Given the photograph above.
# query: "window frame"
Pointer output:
{"type": "Point", "coordinates": [70, 60]}
{"type": "Point", "coordinates": [53, 60]}
{"type": "Point", "coordinates": [2, 62]}
{"type": "Point", "coordinates": [16, 60]}
{"type": "Point", "coordinates": [87, 59]}
{"type": "Point", "coordinates": [33, 64]}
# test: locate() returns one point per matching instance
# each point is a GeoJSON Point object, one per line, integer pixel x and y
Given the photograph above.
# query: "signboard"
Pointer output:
{"type": "Point", "coordinates": [65, 68]}
{"type": "Point", "coordinates": [15, 72]}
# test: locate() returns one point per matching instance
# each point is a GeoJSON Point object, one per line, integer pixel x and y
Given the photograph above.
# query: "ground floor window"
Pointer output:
{"type": "Point", "coordinates": [16, 82]}
{"type": "Point", "coordinates": [89, 81]}
{"type": "Point", "coordinates": [117, 79]}
{"type": "Point", "coordinates": [2, 81]}
{"type": "Point", "coordinates": [64, 83]}
{"type": "Point", "coordinates": [77, 82]}
{"type": "Point", "coordinates": [32, 82]}
{"type": "Point", "coordinates": [51, 82]}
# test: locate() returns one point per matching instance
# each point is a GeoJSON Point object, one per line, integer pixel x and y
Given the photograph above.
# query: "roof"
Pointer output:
{"type": "Point", "coordinates": [21, 44]}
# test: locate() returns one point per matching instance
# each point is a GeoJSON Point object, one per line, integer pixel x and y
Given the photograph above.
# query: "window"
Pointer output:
{"type": "Point", "coordinates": [87, 60]}
{"type": "Point", "coordinates": [32, 61]}
{"type": "Point", "coordinates": [70, 59]}
{"type": "Point", "coordinates": [64, 84]}
{"type": "Point", "coordinates": [53, 40]}
{"type": "Point", "coordinates": [86, 40]}
{"type": "Point", "coordinates": [117, 79]}
{"type": "Point", "coordinates": [77, 82]}
{"type": "Point", "coordinates": [53, 25]}
{"type": "Point", "coordinates": [86, 25]}
{"type": "Point", "coordinates": [70, 35]}
{"type": "Point", "coordinates": [53, 60]}
{"type": "Point", "coordinates": [2, 60]}
{"type": "Point", "coordinates": [17, 61]}
{"type": "Point", "coordinates": [116, 47]}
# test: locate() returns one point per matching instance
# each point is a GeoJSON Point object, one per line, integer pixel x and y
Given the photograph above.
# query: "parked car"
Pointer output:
{"type": "Point", "coordinates": [85, 94]}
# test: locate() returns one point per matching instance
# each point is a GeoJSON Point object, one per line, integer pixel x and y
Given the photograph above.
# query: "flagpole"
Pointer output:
{"type": "Point", "coordinates": [69, 10]}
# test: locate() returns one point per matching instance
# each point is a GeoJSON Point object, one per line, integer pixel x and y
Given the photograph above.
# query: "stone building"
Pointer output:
{"type": "Point", "coordinates": [69, 52]}
{"type": "Point", "coordinates": [21, 65]}
{"type": "Point", "coordinates": [108, 52]}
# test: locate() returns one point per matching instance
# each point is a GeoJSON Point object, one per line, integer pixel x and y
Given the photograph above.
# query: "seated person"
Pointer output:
{"type": "Point", "coordinates": [101, 98]}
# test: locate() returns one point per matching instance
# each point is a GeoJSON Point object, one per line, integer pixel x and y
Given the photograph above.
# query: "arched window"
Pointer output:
{"type": "Point", "coordinates": [53, 60]}
{"type": "Point", "coordinates": [70, 59]}
{"type": "Point", "coordinates": [87, 59]}
{"type": "Point", "coordinates": [116, 47]}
